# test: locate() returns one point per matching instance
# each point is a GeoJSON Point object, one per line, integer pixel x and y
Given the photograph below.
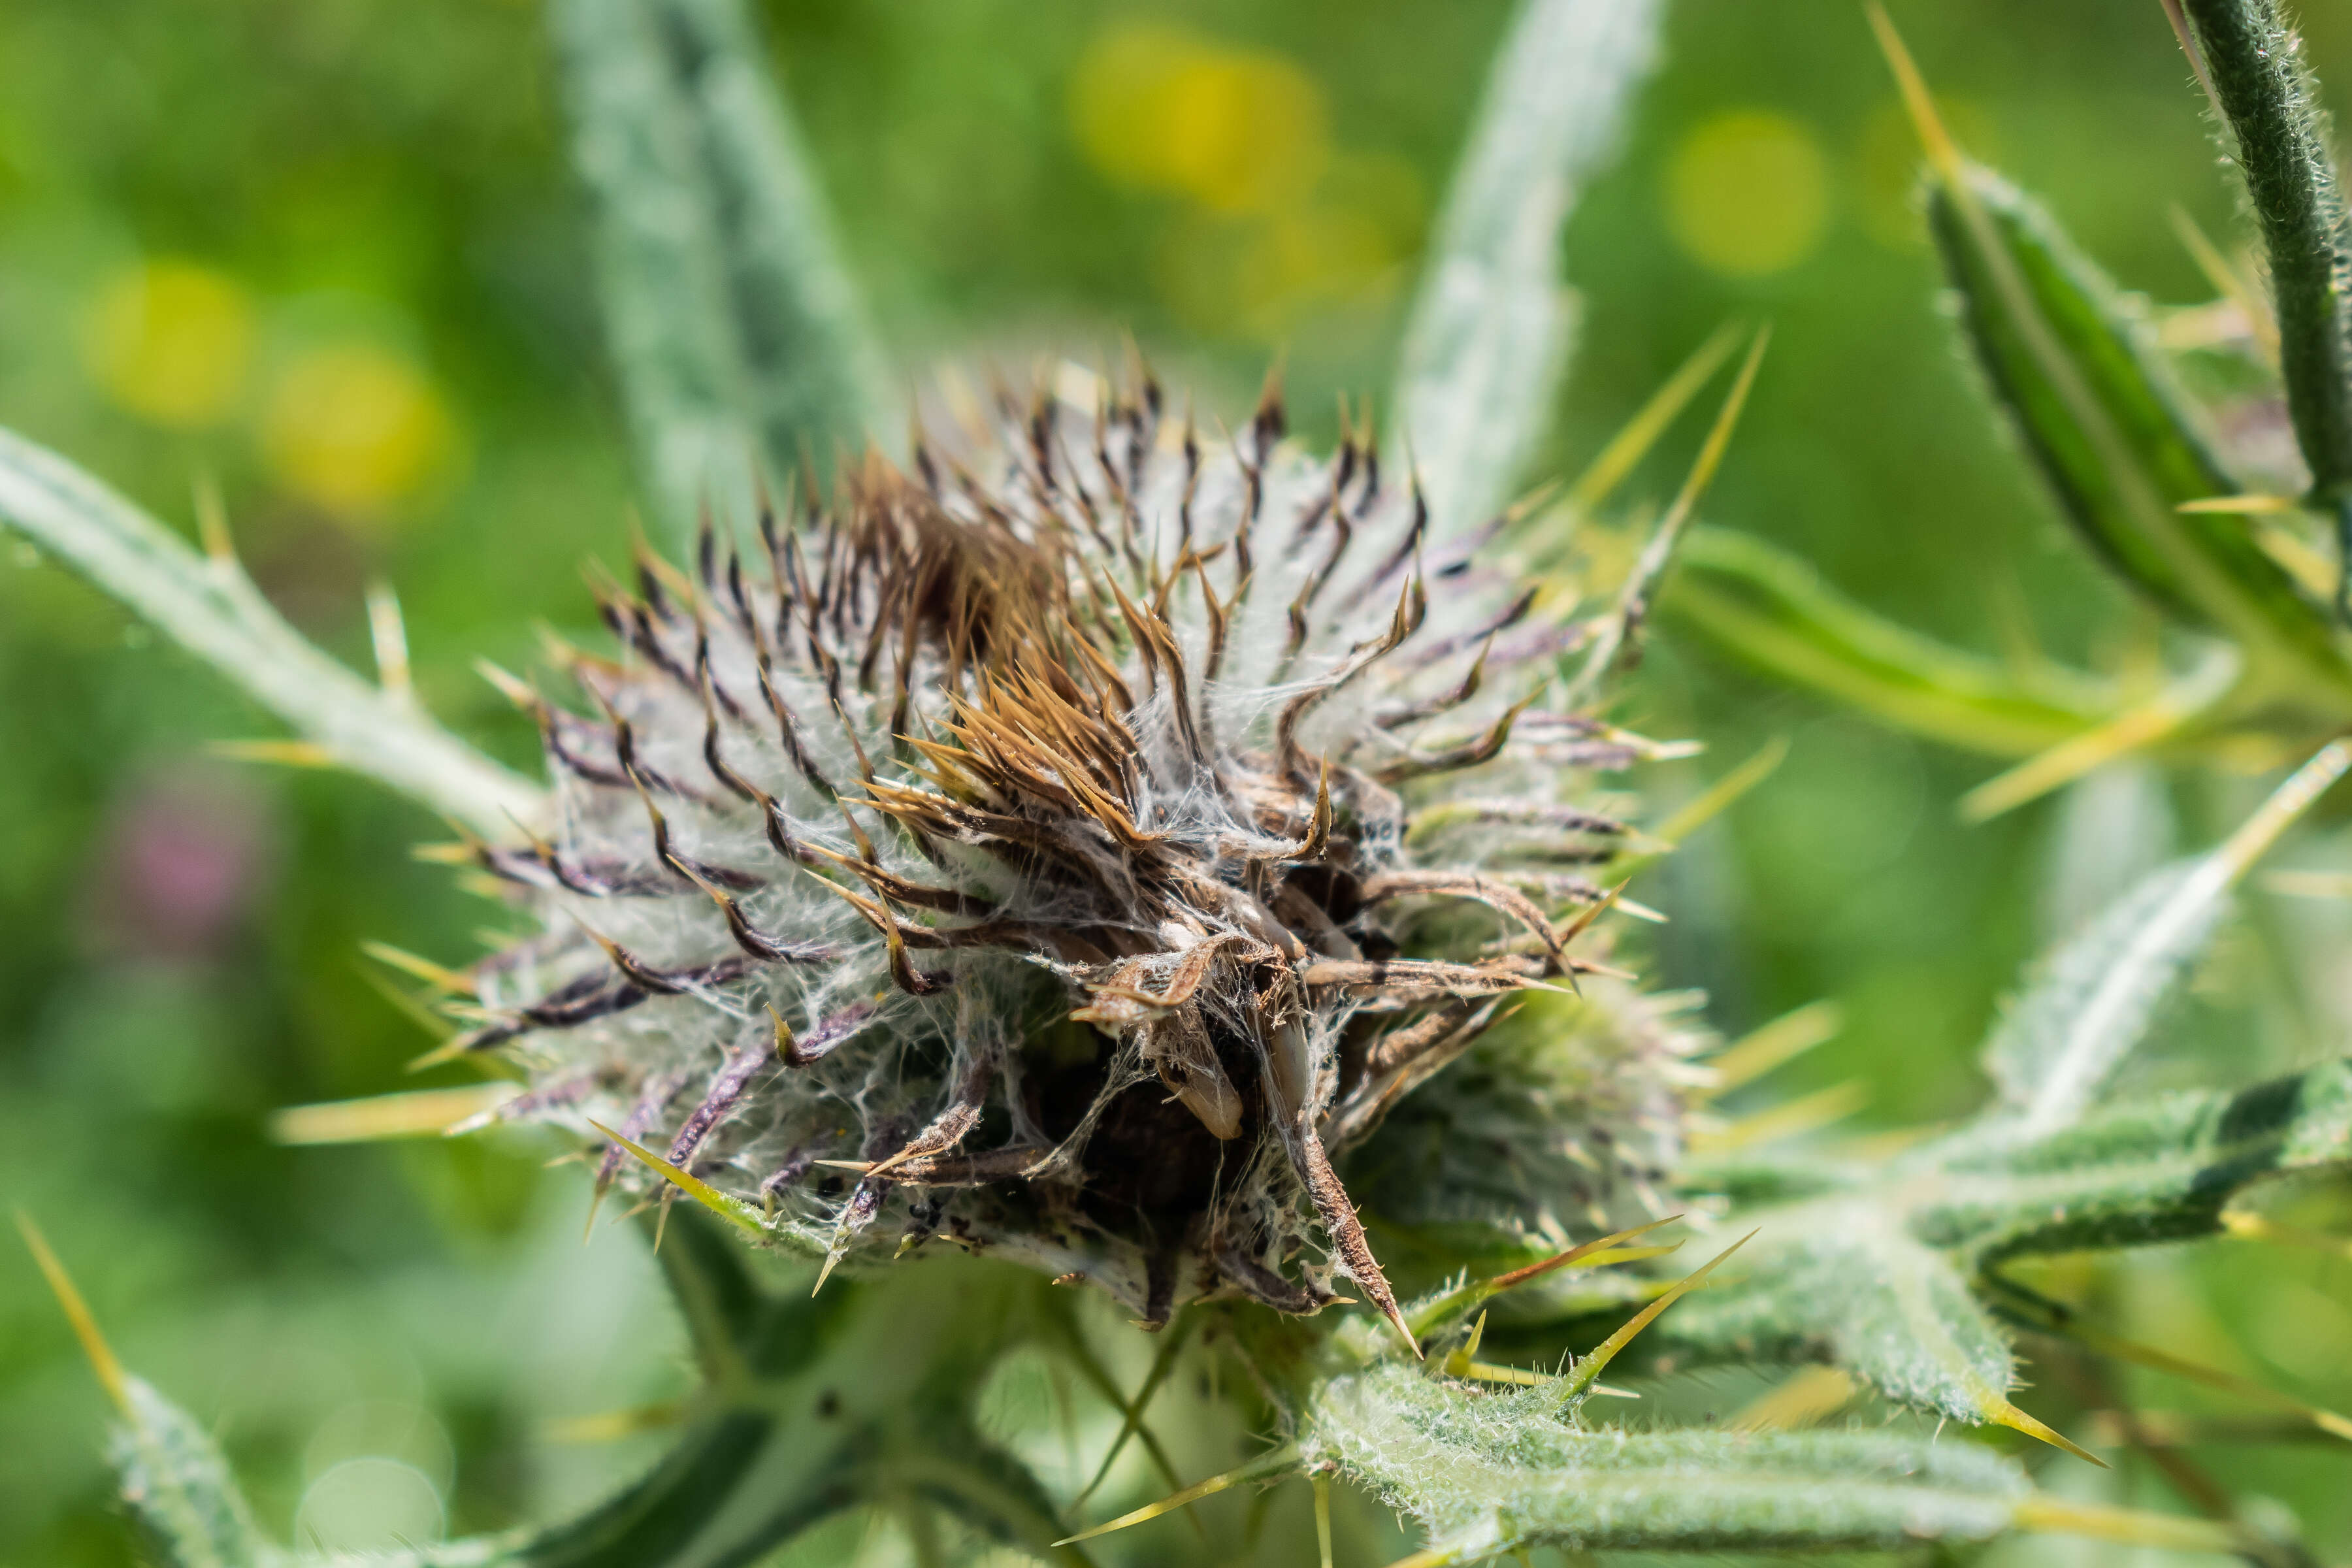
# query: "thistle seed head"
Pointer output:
{"type": "Point", "coordinates": [1068, 849]}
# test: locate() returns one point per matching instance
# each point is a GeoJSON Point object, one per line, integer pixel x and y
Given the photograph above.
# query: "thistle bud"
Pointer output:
{"type": "Point", "coordinates": [1069, 850]}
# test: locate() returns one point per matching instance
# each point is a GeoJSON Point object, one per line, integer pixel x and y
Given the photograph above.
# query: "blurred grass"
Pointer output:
{"type": "Point", "coordinates": [327, 252]}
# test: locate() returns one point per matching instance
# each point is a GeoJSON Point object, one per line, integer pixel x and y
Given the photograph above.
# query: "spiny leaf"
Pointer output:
{"type": "Point", "coordinates": [2205, 567]}
{"type": "Point", "coordinates": [737, 332]}
{"type": "Point", "coordinates": [1873, 1266]}
{"type": "Point", "coordinates": [1843, 1277]}
{"type": "Point", "coordinates": [208, 605]}
{"type": "Point", "coordinates": [179, 1489]}
{"type": "Point", "coordinates": [1490, 1475]}
{"type": "Point", "coordinates": [1771, 610]}
{"type": "Point", "coordinates": [1489, 332]}
{"type": "Point", "coordinates": [2063, 1039]}
{"type": "Point", "coordinates": [2099, 993]}
{"type": "Point", "coordinates": [2098, 411]}
{"type": "Point", "coordinates": [175, 1480]}
{"type": "Point", "coordinates": [2163, 1169]}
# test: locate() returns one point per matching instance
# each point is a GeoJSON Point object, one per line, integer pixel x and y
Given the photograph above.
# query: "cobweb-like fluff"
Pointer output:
{"type": "Point", "coordinates": [1065, 851]}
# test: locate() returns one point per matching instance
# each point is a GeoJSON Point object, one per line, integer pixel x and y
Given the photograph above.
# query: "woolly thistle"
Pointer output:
{"type": "Point", "coordinates": [1121, 852]}
{"type": "Point", "coordinates": [1059, 849]}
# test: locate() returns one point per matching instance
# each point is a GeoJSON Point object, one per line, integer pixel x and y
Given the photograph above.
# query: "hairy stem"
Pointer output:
{"type": "Point", "coordinates": [2282, 149]}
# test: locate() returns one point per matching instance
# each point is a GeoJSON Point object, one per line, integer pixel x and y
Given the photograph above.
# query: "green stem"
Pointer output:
{"type": "Point", "coordinates": [2271, 105]}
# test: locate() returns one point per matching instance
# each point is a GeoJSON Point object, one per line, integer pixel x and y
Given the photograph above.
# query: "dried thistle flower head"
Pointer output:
{"type": "Point", "coordinates": [1067, 850]}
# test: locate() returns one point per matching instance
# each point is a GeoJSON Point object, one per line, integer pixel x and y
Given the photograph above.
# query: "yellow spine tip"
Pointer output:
{"type": "Point", "coordinates": [1941, 149]}
{"type": "Point", "coordinates": [94, 1347]}
{"type": "Point", "coordinates": [2004, 1414]}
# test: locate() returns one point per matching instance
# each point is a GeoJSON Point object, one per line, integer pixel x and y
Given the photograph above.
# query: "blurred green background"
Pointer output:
{"type": "Point", "coordinates": [328, 254]}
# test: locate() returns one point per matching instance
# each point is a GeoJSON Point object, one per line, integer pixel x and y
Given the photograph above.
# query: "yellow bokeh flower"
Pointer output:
{"type": "Point", "coordinates": [1348, 246]}
{"type": "Point", "coordinates": [170, 341]}
{"type": "Point", "coordinates": [351, 425]}
{"type": "Point", "coordinates": [1238, 130]}
{"type": "Point", "coordinates": [1319, 255]}
{"type": "Point", "coordinates": [1748, 192]}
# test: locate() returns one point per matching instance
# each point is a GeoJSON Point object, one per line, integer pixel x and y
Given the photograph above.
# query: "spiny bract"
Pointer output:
{"type": "Point", "coordinates": [1070, 848]}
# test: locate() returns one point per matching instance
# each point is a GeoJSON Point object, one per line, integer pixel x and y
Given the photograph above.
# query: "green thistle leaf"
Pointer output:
{"type": "Point", "coordinates": [2159, 1170]}
{"type": "Point", "coordinates": [1847, 1279]}
{"type": "Point", "coordinates": [208, 605]}
{"type": "Point", "coordinates": [2186, 563]}
{"type": "Point", "coordinates": [1878, 1269]}
{"type": "Point", "coordinates": [738, 334]}
{"type": "Point", "coordinates": [1773, 610]}
{"type": "Point", "coordinates": [178, 1487]}
{"type": "Point", "coordinates": [2099, 993]}
{"type": "Point", "coordinates": [2070, 366]}
{"type": "Point", "coordinates": [1486, 1476]}
{"type": "Point", "coordinates": [1489, 335]}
